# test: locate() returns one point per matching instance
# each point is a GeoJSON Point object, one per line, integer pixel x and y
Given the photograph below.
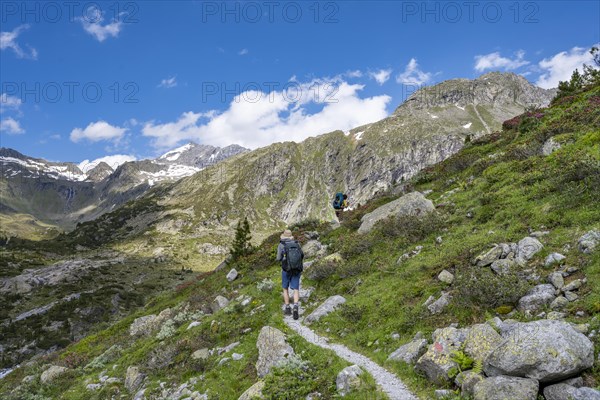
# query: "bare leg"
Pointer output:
{"type": "Point", "coordinates": [296, 296]}
{"type": "Point", "coordinates": [286, 297]}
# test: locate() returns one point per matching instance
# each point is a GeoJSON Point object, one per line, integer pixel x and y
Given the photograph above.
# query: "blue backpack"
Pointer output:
{"type": "Point", "coordinates": [338, 201]}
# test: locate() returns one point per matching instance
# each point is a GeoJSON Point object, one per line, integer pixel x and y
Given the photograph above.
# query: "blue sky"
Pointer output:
{"type": "Point", "coordinates": [139, 78]}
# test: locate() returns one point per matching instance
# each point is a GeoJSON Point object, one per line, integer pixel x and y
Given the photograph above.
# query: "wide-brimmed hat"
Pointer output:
{"type": "Point", "coordinates": [287, 234]}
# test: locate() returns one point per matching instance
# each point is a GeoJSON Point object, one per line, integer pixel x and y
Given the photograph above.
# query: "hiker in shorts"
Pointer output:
{"type": "Point", "coordinates": [290, 253]}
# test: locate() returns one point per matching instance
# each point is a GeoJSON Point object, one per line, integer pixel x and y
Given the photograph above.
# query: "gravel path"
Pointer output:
{"type": "Point", "coordinates": [389, 383]}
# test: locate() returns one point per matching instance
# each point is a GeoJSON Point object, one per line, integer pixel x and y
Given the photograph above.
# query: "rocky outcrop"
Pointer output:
{"type": "Point", "coordinates": [544, 350]}
{"type": "Point", "coordinates": [410, 352]}
{"type": "Point", "coordinates": [481, 341]}
{"type": "Point", "coordinates": [272, 350]}
{"type": "Point", "coordinates": [528, 247]}
{"type": "Point", "coordinates": [134, 379]}
{"type": "Point", "coordinates": [219, 303]}
{"type": "Point", "coordinates": [562, 391]}
{"type": "Point", "coordinates": [506, 388]}
{"type": "Point", "coordinates": [52, 373]}
{"type": "Point", "coordinates": [537, 298]}
{"type": "Point", "coordinates": [348, 380]}
{"type": "Point", "coordinates": [328, 306]}
{"type": "Point", "coordinates": [588, 242]}
{"type": "Point", "coordinates": [412, 204]}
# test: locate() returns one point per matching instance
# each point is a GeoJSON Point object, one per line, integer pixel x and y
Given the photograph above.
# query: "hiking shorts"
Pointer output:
{"type": "Point", "coordinates": [291, 281]}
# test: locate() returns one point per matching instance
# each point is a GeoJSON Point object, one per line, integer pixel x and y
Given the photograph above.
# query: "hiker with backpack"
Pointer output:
{"type": "Point", "coordinates": [340, 203]}
{"type": "Point", "coordinates": [290, 253]}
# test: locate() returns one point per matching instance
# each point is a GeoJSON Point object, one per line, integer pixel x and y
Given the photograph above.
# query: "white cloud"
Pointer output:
{"type": "Point", "coordinates": [412, 75]}
{"type": "Point", "coordinates": [11, 126]}
{"type": "Point", "coordinates": [9, 102]}
{"type": "Point", "coordinates": [113, 161]}
{"type": "Point", "coordinates": [560, 66]}
{"type": "Point", "coordinates": [496, 61]}
{"type": "Point", "coordinates": [92, 24]}
{"type": "Point", "coordinates": [168, 83]}
{"type": "Point", "coordinates": [354, 74]}
{"type": "Point", "coordinates": [97, 131]}
{"type": "Point", "coordinates": [243, 52]}
{"type": "Point", "coordinates": [381, 76]}
{"type": "Point", "coordinates": [8, 40]}
{"type": "Point", "coordinates": [254, 119]}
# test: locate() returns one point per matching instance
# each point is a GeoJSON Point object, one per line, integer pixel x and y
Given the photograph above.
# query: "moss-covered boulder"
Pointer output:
{"type": "Point", "coordinates": [506, 388]}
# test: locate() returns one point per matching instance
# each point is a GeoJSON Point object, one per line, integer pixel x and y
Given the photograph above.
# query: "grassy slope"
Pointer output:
{"type": "Point", "coordinates": [501, 180]}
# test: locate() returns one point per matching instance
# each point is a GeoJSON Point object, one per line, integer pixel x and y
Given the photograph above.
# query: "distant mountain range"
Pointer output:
{"type": "Point", "coordinates": [36, 194]}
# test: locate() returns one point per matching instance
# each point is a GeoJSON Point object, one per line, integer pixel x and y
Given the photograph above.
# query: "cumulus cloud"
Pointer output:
{"type": "Point", "coordinates": [92, 24]}
{"type": "Point", "coordinates": [496, 61]}
{"type": "Point", "coordinates": [560, 66]}
{"type": "Point", "coordinates": [168, 83]}
{"type": "Point", "coordinates": [113, 161]}
{"type": "Point", "coordinates": [98, 131]}
{"type": "Point", "coordinates": [11, 126]}
{"type": "Point", "coordinates": [255, 118]}
{"type": "Point", "coordinates": [381, 76]}
{"type": "Point", "coordinates": [413, 75]}
{"type": "Point", "coordinates": [8, 102]}
{"type": "Point", "coordinates": [8, 40]}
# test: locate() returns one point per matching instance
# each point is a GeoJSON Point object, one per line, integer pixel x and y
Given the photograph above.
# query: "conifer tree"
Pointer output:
{"type": "Point", "coordinates": [241, 244]}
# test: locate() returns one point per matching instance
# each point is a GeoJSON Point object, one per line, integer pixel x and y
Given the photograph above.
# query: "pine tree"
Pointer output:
{"type": "Point", "coordinates": [241, 244]}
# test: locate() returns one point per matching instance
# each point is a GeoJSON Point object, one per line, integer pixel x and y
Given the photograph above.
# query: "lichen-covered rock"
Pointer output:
{"type": "Point", "coordinates": [411, 204]}
{"type": "Point", "coordinates": [52, 373]}
{"type": "Point", "coordinates": [481, 340]}
{"type": "Point", "coordinates": [588, 242]}
{"type": "Point", "coordinates": [410, 352]}
{"type": "Point", "coordinates": [556, 279]}
{"type": "Point", "coordinates": [467, 380]}
{"type": "Point", "coordinates": [553, 258]}
{"type": "Point", "coordinates": [446, 277]}
{"type": "Point", "coordinates": [142, 325]}
{"type": "Point", "coordinates": [438, 306]}
{"type": "Point", "coordinates": [272, 350]}
{"type": "Point", "coordinates": [201, 354]}
{"type": "Point", "coordinates": [528, 247]}
{"type": "Point", "coordinates": [537, 298]}
{"type": "Point", "coordinates": [545, 350]}
{"type": "Point", "coordinates": [503, 266]}
{"type": "Point", "coordinates": [506, 388]}
{"type": "Point", "coordinates": [574, 285]}
{"type": "Point", "coordinates": [559, 303]}
{"type": "Point", "coordinates": [253, 392]}
{"type": "Point", "coordinates": [219, 303]}
{"type": "Point", "coordinates": [312, 249]}
{"type": "Point", "coordinates": [348, 380]}
{"type": "Point", "coordinates": [328, 306]}
{"type": "Point", "coordinates": [488, 257]}
{"type": "Point", "coordinates": [436, 362]}
{"type": "Point", "coordinates": [133, 379]}
{"type": "Point", "coordinates": [562, 391]}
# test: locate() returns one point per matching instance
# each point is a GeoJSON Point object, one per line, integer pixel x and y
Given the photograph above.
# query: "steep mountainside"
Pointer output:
{"type": "Point", "coordinates": [63, 194]}
{"type": "Point", "coordinates": [480, 279]}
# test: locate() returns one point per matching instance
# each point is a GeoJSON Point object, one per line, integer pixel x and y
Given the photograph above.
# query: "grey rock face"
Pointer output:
{"type": "Point", "coordinates": [133, 379]}
{"type": "Point", "coordinates": [142, 325]}
{"type": "Point", "coordinates": [588, 242]}
{"type": "Point", "coordinates": [537, 298]}
{"type": "Point", "coordinates": [467, 381]}
{"type": "Point", "coordinates": [481, 340]}
{"type": "Point", "coordinates": [436, 363]}
{"type": "Point", "coordinates": [272, 350]}
{"type": "Point", "coordinates": [528, 247]}
{"type": "Point", "coordinates": [412, 204]}
{"type": "Point", "coordinates": [348, 379]}
{"type": "Point", "coordinates": [52, 373]}
{"type": "Point", "coordinates": [410, 352]}
{"type": "Point", "coordinates": [562, 391]}
{"type": "Point", "coordinates": [506, 388]}
{"type": "Point", "coordinates": [545, 350]}
{"type": "Point", "coordinates": [328, 306]}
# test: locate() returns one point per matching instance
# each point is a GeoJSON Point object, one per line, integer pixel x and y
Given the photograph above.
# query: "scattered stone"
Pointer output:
{"type": "Point", "coordinates": [550, 146]}
{"type": "Point", "coordinates": [193, 324]}
{"type": "Point", "coordinates": [480, 341]}
{"type": "Point", "coordinates": [503, 266]}
{"type": "Point", "coordinates": [219, 303]}
{"type": "Point", "coordinates": [52, 373]}
{"type": "Point", "coordinates": [545, 350]}
{"type": "Point", "coordinates": [439, 240]}
{"type": "Point", "coordinates": [411, 204]}
{"type": "Point", "coordinates": [348, 380]}
{"type": "Point", "coordinates": [443, 394]}
{"type": "Point", "coordinates": [446, 277]}
{"type": "Point", "coordinates": [436, 362]}
{"type": "Point", "coordinates": [410, 352]}
{"type": "Point", "coordinates": [253, 392]}
{"type": "Point", "coordinates": [559, 303]}
{"type": "Point", "coordinates": [553, 258]}
{"type": "Point", "coordinates": [133, 379]}
{"type": "Point", "coordinates": [228, 348]}
{"type": "Point", "coordinates": [224, 360]}
{"type": "Point", "coordinates": [201, 354]}
{"type": "Point", "coordinates": [438, 306]}
{"type": "Point", "coordinates": [142, 326]}
{"type": "Point", "coordinates": [588, 242]}
{"type": "Point", "coordinates": [467, 380]}
{"type": "Point", "coordinates": [305, 293]}
{"type": "Point", "coordinates": [330, 305]}
{"type": "Point", "coordinates": [538, 234]}
{"type": "Point", "coordinates": [429, 301]}
{"type": "Point", "coordinates": [395, 336]}
{"type": "Point", "coordinates": [266, 285]}
{"type": "Point", "coordinates": [556, 316]}
{"type": "Point", "coordinates": [272, 350]}
{"type": "Point", "coordinates": [506, 388]}
{"type": "Point", "coordinates": [556, 279]}
{"type": "Point", "coordinates": [488, 257]}
{"type": "Point", "coordinates": [575, 285]}
{"type": "Point", "coordinates": [571, 296]}
{"type": "Point", "coordinates": [313, 248]}
{"type": "Point", "coordinates": [94, 386]}
{"type": "Point", "coordinates": [237, 356]}
{"type": "Point", "coordinates": [528, 247]}
{"type": "Point", "coordinates": [563, 391]}
{"type": "Point", "coordinates": [537, 298]}
{"type": "Point", "coordinates": [232, 275]}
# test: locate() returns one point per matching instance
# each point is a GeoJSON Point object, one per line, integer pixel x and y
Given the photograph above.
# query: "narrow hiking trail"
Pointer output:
{"type": "Point", "coordinates": [387, 381]}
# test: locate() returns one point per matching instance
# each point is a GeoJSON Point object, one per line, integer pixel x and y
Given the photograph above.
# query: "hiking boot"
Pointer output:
{"type": "Point", "coordinates": [296, 311]}
{"type": "Point", "coordinates": [288, 310]}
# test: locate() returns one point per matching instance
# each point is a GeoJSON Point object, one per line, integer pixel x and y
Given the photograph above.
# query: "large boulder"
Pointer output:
{"type": "Point", "coordinates": [348, 380]}
{"type": "Point", "coordinates": [436, 362]}
{"type": "Point", "coordinates": [328, 306]}
{"type": "Point", "coordinates": [467, 380]}
{"type": "Point", "coordinates": [562, 391]}
{"type": "Point", "coordinates": [52, 373]}
{"type": "Point", "coordinates": [410, 352]}
{"type": "Point", "coordinates": [588, 242]}
{"type": "Point", "coordinates": [142, 325]}
{"type": "Point", "coordinates": [411, 204]}
{"type": "Point", "coordinates": [537, 297]}
{"type": "Point", "coordinates": [253, 392]}
{"type": "Point", "coordinates": [545, 350]}
{"type": "Point", "coordinates": [481, 340]}
{"type": "Point", "coordinates": [272, 350]}
{"type": "Point", "coordinates": [528, 247]}
{"type": "Point", "coordinates": [506, 388]}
